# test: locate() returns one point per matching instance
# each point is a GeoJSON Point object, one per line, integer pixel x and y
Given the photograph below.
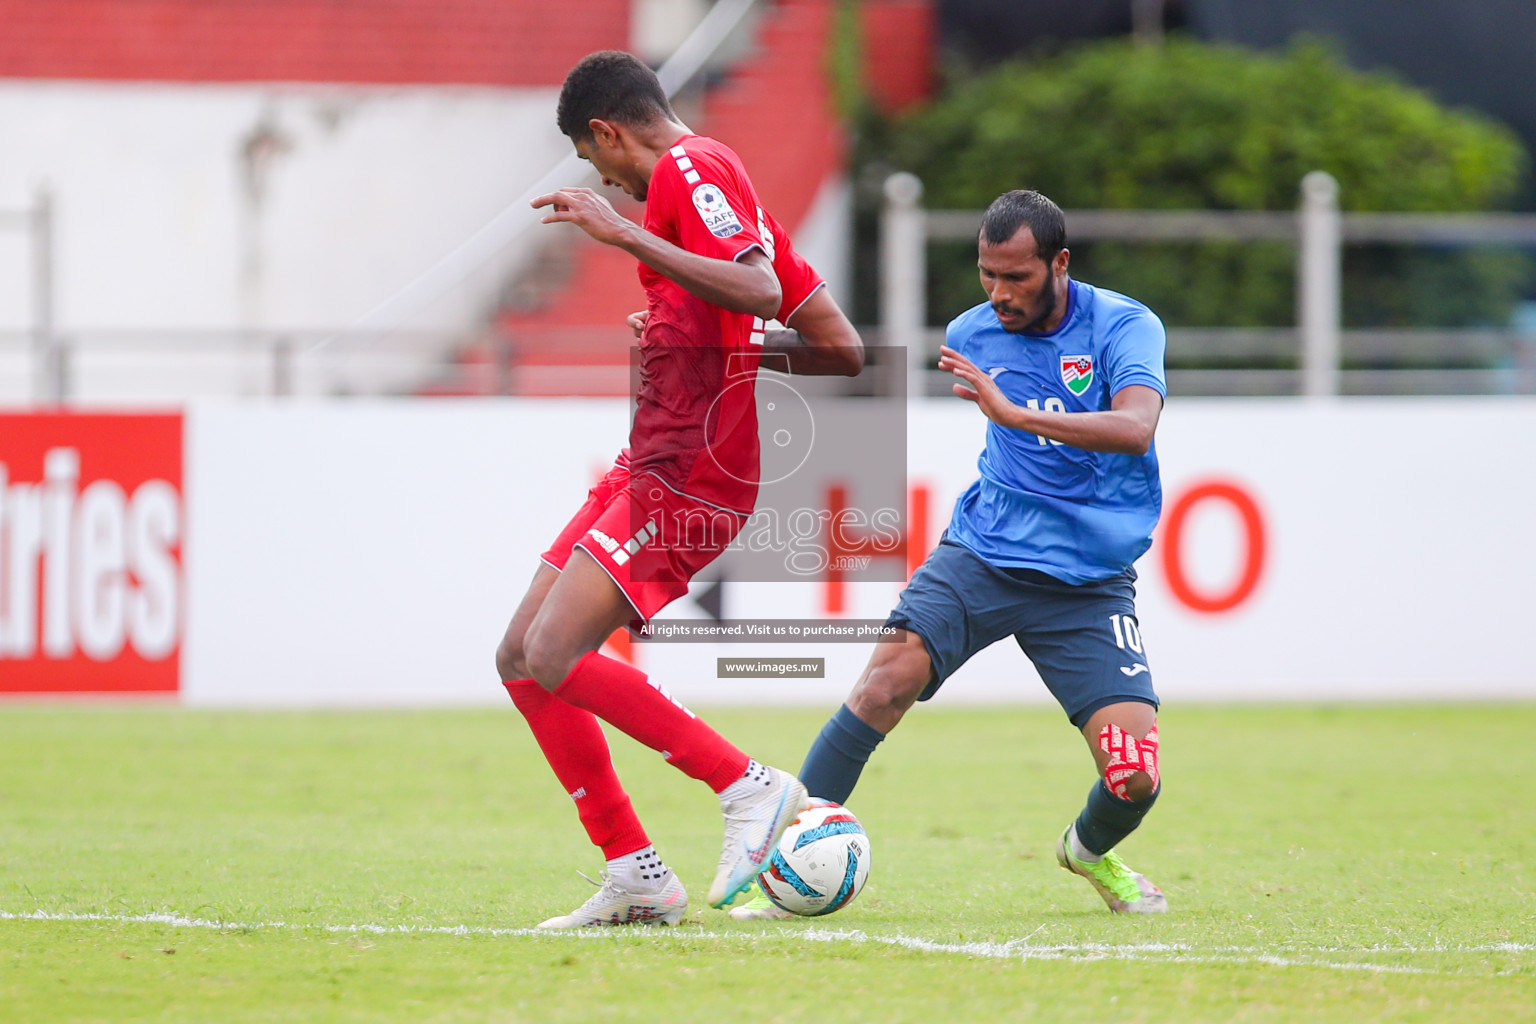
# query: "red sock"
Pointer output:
{"type": "Point", "coordinates": [623, 697]}
{"type": "Point", "coordinates": [575, 747]}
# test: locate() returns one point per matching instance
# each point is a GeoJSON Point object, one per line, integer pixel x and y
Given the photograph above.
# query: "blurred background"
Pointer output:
{"type": "Point", "coordinates": [318, 196]}
{"type": "Point", "coordinates": [219, 216]}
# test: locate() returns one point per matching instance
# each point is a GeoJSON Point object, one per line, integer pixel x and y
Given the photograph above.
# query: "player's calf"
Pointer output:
{"type": "Point", "coordinates": [888, 687]}
{"type": "Point", "coordinates": [1129, 786]}
{"type": "Point", "coordinates": [891, 683]}
{"type": "Point", "coordinates": [1116, 805]}
{"type": "Point", "coordinates": [511, 656]}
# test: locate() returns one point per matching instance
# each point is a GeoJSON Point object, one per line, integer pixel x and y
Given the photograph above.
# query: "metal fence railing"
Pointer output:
{"type": "Point", "coordinates": [1309, 358]}
{"type": "Point", "coordinates": [168, 366]}
{"type": "Point", "coordinates": [45, 365]}
{"type": "Point", "coordinates": [36, 223]}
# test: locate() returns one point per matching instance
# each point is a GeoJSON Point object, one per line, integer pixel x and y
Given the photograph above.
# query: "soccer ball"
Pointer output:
{"type": "Point", "coordinates": [821, 862]}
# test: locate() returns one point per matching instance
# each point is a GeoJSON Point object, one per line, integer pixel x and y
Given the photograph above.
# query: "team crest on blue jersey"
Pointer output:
{"type": "Point", "coordinates": [1077, 373]}
{"type": "Point", "coordinates": [715, 210]}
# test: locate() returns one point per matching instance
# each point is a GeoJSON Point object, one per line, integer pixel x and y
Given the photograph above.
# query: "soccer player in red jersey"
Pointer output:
{"type": "Point", "coordinates": [715, 267]}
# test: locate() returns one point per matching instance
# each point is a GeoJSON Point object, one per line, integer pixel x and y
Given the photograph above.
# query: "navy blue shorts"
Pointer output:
{"type": "Point", "coordinates": [1084, 640]}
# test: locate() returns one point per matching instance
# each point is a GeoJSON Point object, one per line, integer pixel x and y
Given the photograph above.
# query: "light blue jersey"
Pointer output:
{"type": "Point", "coordinates": [1076, 515]}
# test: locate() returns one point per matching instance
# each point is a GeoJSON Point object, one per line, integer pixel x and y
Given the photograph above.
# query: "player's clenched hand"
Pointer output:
{"type": "Point", "coordinates": [978, 387]}
{"type": "Point", "coordinates": [636, 321]}
{"type": "Point", "coordinates": [587, 210]}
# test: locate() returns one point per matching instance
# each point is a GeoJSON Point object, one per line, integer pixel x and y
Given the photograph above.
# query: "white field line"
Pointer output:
{"type": "Point", "coordinates": [1181, 954]}
{"type": "Point", "coordinates": [1018, 949]}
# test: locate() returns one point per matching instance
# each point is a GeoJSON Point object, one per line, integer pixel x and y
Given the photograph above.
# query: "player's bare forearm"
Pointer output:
{"type": "Point", "coordinates": [808, 360]}
{"type": "Point", "coordinates": [746, 285]}
{"type": "Point", "coordinates": [821, 341]}
{"type": "Point", "coordinates": [1126, 428]}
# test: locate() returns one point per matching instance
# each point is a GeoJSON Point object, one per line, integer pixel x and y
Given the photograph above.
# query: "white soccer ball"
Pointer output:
{"type": "Point", "coordinates": [821, 862]}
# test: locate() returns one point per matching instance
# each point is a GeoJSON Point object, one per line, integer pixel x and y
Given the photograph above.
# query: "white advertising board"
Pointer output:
{"type": "Point", "coordinates": [372, 552]}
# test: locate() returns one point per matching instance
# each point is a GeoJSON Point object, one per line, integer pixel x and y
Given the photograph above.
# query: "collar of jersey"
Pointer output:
{"type": "Point", "coordinates": [681, 141]}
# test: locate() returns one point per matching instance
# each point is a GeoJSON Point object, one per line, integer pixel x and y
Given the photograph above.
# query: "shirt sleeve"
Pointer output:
{"type": "Point", "coordinates": [798, 280]}
{"type": "Point", "coordinates": [952, 337]}
{"type": "Point", "coordinates": [1134, 354]}
{"type": "Point", "coordinates": [711, 214]}
{"type": "Point", "coordinates": [959, 334]}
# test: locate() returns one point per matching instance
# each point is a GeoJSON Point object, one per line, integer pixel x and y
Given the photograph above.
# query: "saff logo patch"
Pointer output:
{"type": "Point", "coordinates": [1077, 373]}
{"type": "Point", "coordinates": [715, 210]}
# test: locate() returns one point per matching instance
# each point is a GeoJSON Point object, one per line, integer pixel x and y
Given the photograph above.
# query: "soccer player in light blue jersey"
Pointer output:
{"type": "Point", "coordinates": [1041, 546]}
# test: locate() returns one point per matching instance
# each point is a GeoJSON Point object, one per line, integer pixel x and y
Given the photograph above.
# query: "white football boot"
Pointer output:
{"type": "Point", "coordinates": [612, 905]}
{"type": "Point", "coordinates": [754, 821]}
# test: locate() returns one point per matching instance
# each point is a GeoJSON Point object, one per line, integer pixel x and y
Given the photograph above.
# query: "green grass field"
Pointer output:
{"type": "Point", "coordinates": [1359, 863]}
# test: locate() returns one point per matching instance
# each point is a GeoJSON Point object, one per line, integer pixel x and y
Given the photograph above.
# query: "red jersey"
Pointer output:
{"type": "Point", "coordinates": [695, 423]}
{"type": "Point", "coordinates": [798, 280]}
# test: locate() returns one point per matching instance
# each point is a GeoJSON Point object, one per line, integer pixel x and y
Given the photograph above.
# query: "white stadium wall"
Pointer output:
{"type": "Point", "coordinates": [370, 552]}
{"type": "Point", "coordinates": [167, 219]}
{"type": "Point", "coordinates": [275, 207]}
{"type": "Point", "coordinates": [185, 212]}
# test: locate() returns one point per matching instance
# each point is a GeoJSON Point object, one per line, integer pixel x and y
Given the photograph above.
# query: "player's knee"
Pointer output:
{"type": "Point", "coordinates": [1131, 769]}
{"type": "Point", "coordinates": [548, 658]}
{"type": "Point", "coordinates": [886, 693]}
{"type": "Point", "coordinates": [1139, 786]}
{"type": "Point", "coordinates": [511, 663]}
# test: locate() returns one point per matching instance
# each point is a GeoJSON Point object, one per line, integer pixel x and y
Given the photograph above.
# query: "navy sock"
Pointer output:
{"type": "Point", "coordinates": [1107, 819]}
{"type": "Point", "coordinates": [834, 762]}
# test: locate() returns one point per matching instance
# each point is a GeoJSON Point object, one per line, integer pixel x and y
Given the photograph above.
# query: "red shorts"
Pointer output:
{"type": "Point", "coordinates": [649, 538]}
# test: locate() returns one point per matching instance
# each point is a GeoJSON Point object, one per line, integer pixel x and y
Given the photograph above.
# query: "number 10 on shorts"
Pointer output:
{"type": "Point", "coordinates": [1126, 633]}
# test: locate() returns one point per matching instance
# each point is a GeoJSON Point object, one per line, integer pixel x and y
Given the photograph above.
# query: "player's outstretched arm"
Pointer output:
{"type": "Point", "coordinates": [820, 341]}
{"type": "Point", "coordinates": [1126, 428]}
{"type": "Point", "coordinates": [746, 285]}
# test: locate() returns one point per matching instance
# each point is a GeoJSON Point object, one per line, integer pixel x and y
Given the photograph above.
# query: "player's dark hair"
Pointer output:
{"type": "Point", "coordinates": [1020, 208]}
{"type": "Point", "coordinates": [610, 85]}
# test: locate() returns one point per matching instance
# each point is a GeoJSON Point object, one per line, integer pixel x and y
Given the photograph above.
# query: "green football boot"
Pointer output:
{"type": "Point", "coordinates": [1124, 890]}
{"type": "Point", "coordinates": [759, 908]}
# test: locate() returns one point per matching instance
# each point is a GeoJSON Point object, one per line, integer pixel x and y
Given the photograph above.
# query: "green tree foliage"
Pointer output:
{"type": "Point", "coordinates": [1195, 126]}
